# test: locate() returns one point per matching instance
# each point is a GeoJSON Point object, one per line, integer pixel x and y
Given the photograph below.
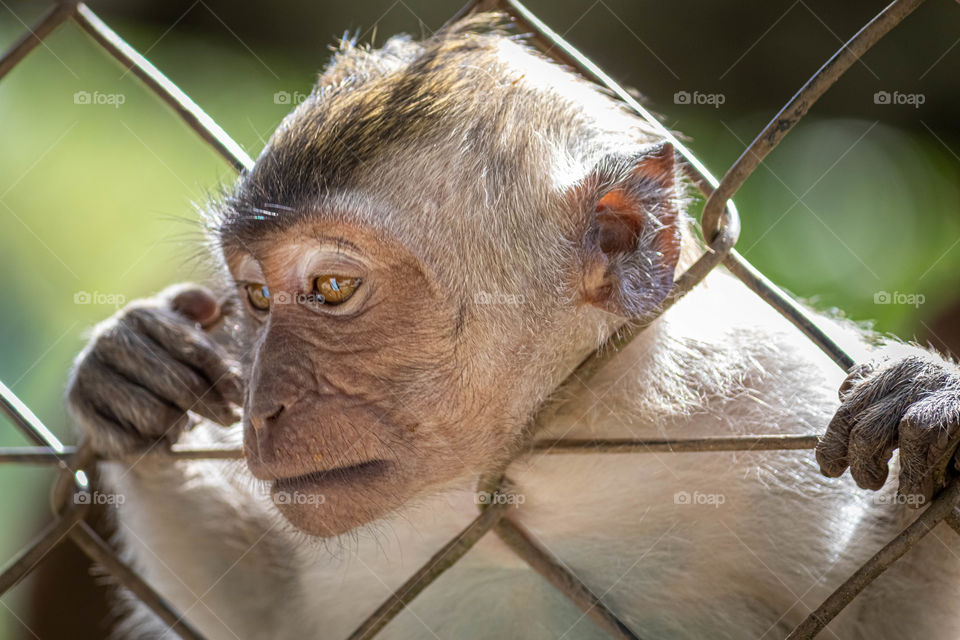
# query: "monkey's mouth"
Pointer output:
{"type": "Point", "coordinates": [334, 478]}
{"type": "Point", "coordinates": [330, 502]}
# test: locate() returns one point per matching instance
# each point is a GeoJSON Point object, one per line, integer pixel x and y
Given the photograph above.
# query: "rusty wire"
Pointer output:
{"type": "Point", "coordinates": [720, 226]}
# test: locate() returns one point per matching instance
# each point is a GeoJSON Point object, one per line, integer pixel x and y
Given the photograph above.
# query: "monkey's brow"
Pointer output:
{"type": "Point", "coordinates": [338, 241]}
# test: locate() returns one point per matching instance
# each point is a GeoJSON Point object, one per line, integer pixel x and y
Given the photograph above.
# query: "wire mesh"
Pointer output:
{"type": "Point", "coordinates": [720, 226]}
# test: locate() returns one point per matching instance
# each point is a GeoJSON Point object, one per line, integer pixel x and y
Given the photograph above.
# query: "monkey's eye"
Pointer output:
{"type": "Point", "coordinates": [258, 295]}
{"type": "Point", "coordinates": [333, 289]}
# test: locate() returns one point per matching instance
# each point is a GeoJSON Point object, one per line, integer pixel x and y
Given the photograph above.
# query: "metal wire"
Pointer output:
{"type": "Point", "coordinates": [720, 226]}
{"type": "Point", "coordinates": [446, 557]}
{"type": "Point", "coordinates": [44, 455]}
{"type": "Point", "coordinates": [543, 562]}
{"type": "Point", "coordinates": [195, 117]}
{"type": "Point", "coordinates": [766, 442]}
{"type": "Point", "coordinates": [31, 555]}
{"type": "Point", "coordinates": [100, 552]}
{"type": "Point", "coordinates": [939, 509]}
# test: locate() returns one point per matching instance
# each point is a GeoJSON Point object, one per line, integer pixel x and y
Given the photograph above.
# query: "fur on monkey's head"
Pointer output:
{"type": "Point", "coordinates": [489, 215]}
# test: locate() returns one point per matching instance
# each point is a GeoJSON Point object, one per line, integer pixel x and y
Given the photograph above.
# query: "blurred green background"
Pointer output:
{"type": "Point", "coordinates": [861, 198]}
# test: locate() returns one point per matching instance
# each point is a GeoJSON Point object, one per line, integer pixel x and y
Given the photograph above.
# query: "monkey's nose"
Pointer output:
{"type": "Point", "coordinates": [262, 419]}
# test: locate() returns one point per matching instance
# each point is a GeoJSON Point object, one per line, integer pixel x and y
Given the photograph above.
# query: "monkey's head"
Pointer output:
{"type": "Point", "coordinates": [425, 247]}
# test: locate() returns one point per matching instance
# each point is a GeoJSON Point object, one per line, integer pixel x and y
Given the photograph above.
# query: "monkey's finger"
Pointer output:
{"type": "Point", "coordinates": [141, 360]}
{"type": "Point", "coordinates": [101, 428]}
{"type": "Point", "coordinates": [193, 348]}
{"type": "Point", "coordinates": [195, 302]}
{"type": "Point", "coordinates": [832, 448]}
{"type": "Point", "coordinates": [869, 451]}
{"type": "Point", "coordinates": [135, 409]}
{"type": "Point", "coordinates": [929, 436]}
{"type": "Point", "coordinates": [857, 374]}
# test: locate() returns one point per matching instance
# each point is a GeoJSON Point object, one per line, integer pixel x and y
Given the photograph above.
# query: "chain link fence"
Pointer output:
{"type": "Point", "coordinates": [720, 225]}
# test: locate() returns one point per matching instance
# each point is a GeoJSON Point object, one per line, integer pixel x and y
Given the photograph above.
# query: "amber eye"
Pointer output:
{"type": "Point", "coordinates": [259, 296]}
{"type": "Point", "coordinates": [334, 290]}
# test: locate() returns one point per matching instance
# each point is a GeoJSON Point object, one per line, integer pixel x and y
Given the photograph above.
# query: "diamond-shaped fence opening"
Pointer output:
{"type": "Point", "coordinates": [720, 226]}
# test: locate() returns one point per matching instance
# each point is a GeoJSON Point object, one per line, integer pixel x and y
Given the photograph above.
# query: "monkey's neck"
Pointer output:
{"type": "Point", "coordinates": [716, 363]}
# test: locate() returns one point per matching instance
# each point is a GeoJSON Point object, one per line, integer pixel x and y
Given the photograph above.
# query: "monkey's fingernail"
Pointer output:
{"type": "Point", "coordinates": [231, 387]}
{"type": "Point", "coordinates": [832, 466]}
{"type": "Point", "coordinates": [198, 305]}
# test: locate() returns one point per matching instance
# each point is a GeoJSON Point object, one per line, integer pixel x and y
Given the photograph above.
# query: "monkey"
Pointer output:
{"type": "Point", "coordinates": [425, 248]}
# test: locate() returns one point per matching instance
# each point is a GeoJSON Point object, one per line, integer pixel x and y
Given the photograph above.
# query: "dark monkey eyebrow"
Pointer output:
{"type": "Point", "coordinates": [339, 241]}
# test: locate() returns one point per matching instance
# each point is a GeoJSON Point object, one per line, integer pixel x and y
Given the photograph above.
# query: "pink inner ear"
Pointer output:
{"type": "Point", "coordinates": [640, 207]}
{"type": "Point", "coordinates": [618, 225]}
{"type": "Point", "coordinates": [620, 215]}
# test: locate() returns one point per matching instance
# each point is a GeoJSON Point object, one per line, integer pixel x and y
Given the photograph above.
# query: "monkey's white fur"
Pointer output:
{"type": "Point", "coordinates": [764, 539]}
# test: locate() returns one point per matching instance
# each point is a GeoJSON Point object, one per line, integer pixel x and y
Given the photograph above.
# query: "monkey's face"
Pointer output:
{"type": "Point", "coordinates": [354, 400]}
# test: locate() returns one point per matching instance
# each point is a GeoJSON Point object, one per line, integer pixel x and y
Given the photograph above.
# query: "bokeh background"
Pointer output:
{"type": "Point", "coordinates": [862, 199]}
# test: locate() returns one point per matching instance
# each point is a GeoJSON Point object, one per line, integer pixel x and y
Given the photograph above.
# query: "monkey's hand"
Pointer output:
{"type": "Point", "coordinates": [912, 403]}
{"type": "Point", "coordinates": [146, 367]}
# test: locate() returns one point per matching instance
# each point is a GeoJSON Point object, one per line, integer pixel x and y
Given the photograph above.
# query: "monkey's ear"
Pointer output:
{"type": "Point", "coordinates": [632, 243]}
